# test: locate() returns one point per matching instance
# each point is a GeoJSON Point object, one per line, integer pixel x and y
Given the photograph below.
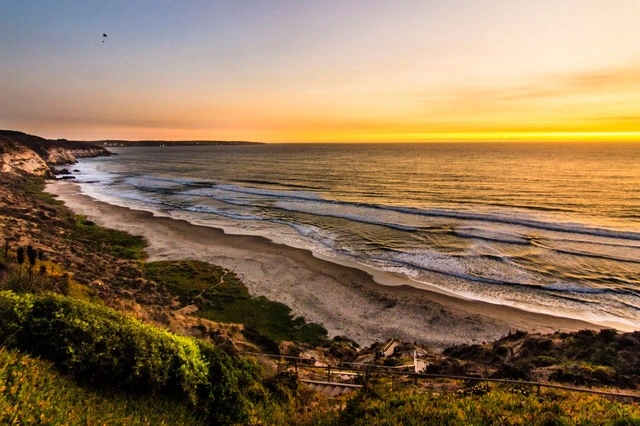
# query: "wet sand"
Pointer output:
{"type": "Point", "coordinates": [346, 300]}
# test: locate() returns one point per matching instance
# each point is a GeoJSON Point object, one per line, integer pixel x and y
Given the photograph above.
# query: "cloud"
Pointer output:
{"type": "Point", "coordinates": [591, 82]}
{"type": "Point", "coordinates": [598, 100]}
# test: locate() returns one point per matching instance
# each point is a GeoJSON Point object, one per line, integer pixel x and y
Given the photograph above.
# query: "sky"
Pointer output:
{"type": "Point", "coordinates": [321, 71]}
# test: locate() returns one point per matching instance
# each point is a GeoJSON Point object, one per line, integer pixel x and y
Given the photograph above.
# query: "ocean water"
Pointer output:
{"type": "Point", "coordinates": [551, 228]}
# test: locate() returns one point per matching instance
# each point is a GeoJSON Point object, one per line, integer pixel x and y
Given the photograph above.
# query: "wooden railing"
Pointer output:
{"type": "Point", "coordinates": [367, 369]}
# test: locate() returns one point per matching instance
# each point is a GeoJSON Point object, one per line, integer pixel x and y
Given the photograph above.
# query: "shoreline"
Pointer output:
{"type": "Point", "coordinates": [346, 300]}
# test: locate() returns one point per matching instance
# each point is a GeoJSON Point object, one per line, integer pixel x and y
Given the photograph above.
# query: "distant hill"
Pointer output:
{"type": "Point", "coordinates": [46, 148]}
{"type": "Point", "coordinates": [108, 143]}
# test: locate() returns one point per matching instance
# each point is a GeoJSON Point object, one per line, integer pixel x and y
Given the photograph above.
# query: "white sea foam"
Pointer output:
{"type": "Point", "coordinates": [519, 241]}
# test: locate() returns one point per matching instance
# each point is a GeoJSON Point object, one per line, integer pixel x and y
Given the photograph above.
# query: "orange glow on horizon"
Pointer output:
{"type": "Point", "coordinates": [472, 137]}
{"type": "Point", "coordinates": [416, 71]}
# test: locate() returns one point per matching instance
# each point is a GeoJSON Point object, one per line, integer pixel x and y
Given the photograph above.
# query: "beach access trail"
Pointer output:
{"type": "Point", "coordinates": [345, 300]}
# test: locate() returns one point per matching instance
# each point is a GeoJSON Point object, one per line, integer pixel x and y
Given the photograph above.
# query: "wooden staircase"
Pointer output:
{"type": "Point", "coordinates": [329, 388]}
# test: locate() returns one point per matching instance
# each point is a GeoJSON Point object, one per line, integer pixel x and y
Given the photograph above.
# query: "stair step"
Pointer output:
{"type": "Point", "coordinates": [331, 389]}
{"type": "Point", "coordinates": [337, 390]}
{"type": "Point", "coordinates": [328, 389]}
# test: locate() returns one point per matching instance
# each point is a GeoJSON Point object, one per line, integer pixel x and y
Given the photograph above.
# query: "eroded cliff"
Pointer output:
{"type": "Point", "coordinates": [23, 153]}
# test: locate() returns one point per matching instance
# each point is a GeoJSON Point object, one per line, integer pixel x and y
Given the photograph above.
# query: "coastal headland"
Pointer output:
{"type": "Point", "coordinates": [345, 300]}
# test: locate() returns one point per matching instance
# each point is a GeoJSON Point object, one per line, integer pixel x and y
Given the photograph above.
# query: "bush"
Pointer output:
{"type": "Point", "coordinates": [100, 346]}
{"type": "Point", "coordinates": [283, 386]}
{"type": "Point", "coordinates": [544, 361]}
{"type": "Point", "coordinates": [515, 371]}
{"type": "Point", "coordinates": [33, 392]}
{"type": "Point", "coordinates": [265, 342]}
{"type": "Point", "coordinates": [13, 312]}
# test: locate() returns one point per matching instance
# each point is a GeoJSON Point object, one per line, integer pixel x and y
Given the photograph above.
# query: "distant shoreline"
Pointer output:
{"type": "Point", "coordinates": [346, 300]}
{"type": "Point", "coordinates": [158, 143]}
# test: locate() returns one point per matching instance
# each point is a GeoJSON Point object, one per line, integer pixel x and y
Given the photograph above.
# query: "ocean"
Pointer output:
{"type": "Point", "coordinates": [550, 228]}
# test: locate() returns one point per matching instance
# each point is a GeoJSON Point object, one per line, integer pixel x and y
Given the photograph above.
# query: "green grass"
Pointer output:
{"type": "Point", "coordinates": [116, 243]}
{"type": "Point", "coordinates": [32, 391]}
{"type": "Point", "coordinates": [500, 406]}
{"type": "Point", "coordinates": [34, 186]}
{"type": "Point", "coordinates": [188, 279]}
{"type": "Point", "coordinates": [228, 300]}
{"type": "Point", "coordinates": [99, 346]}
{"type": "Point", "coordinates": [272, 319]}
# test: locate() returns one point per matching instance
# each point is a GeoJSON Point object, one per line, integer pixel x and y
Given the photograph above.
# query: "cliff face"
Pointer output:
{"type": "Point", "coordinates": [30, 154]}
{"type": "Point", "coordinates": [58, 155]}
{"type": "Point", "coordinates": [15, 158]}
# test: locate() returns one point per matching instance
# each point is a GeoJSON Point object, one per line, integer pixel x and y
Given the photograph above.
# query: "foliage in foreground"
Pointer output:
{"type": "Point", "coordinates": [101, 347]}
{"type": "Point", "coordinates": [221, 296]}
{"type": "Point", "coordinates": [33, 391]}
{"type": "Point", "coordinates": [382, 406]}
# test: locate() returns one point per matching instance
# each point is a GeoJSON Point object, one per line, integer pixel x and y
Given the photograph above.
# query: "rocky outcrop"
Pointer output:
{"type": "Point", "coordinates": [56, 155]}
{"type": "Point", "coordinates": [23, 153]}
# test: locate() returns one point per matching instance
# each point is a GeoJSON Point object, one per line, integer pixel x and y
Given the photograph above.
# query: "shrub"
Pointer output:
{"type": "Point", "coordinates": [13, 312]}
{"type": "Point", "coordinates": [267, 343]}
{"type": "Point", "coordinates": [100, 346]}
{"type": "Point", "coordinates": [283, 386]}
{"type": "Point", "coordinates": [544, 361]}
{"type": "Point", "coordinates": [515, 371]}
{"type": "Point", "coordinates": [33, 392]}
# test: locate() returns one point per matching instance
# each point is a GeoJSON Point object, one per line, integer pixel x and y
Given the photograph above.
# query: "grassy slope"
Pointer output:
{"type": "Point", "coordinates": [221, 297]}
{"type": "Point", "coordinates": [33, 391]}
{"type": "Point", "coordinates": [500, 406]}
{"type": "Point", "coordinates": [583, 358]}
{"type": "Point", "coordinates": [101, 347]}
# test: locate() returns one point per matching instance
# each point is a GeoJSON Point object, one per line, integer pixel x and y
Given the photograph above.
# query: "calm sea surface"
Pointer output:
{"type": "Point", "coordinates": [547, 228]}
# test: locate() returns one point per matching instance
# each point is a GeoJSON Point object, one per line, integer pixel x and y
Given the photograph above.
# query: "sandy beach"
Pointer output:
{"type": "Point", "coordinates": [345, 300]}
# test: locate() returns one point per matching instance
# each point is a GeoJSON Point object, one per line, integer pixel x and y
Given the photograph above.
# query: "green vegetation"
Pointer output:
{"type": "Point", "coordinates": [34, 187]}
{"type": "Point", "coordinates": [32, 391]}
{"type": "Point", "coordinates": [380, 405]}
{"type": "Point", "coordinates": [15, 275]}
{"type": "Point", "coordinates": [189, 279]}
{"type": "Point", "coordinates": [42, 274]}
{"type": "Point", "coordinates": [586, 357]}
{"type": "Point", "coordinates": [221, 297]}
{"type": "Point", "coordinates": [116, 243]}
{"type": "Point", "coordinates": [101, 347]}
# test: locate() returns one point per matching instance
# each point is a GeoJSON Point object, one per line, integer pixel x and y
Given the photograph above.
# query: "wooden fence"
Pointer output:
{"type": "Point", "coordinates": [365, 370]}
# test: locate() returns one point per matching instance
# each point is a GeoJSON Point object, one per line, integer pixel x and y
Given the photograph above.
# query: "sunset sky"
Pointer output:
{"type": "Point", "coordinates": [304, 71]}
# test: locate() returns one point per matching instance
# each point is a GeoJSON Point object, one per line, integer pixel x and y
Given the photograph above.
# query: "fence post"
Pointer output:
{"type": "Point", "coordinates": [415, 379]}
{"type": "Point", "coordinates": [328, 373]}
